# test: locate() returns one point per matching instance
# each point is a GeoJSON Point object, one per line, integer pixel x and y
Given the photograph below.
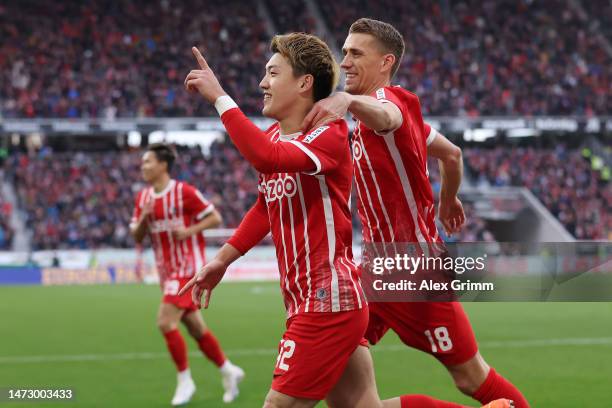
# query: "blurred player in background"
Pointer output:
{"type": "Point", "coordinates": [396, 204]}
{"type": "Point", "coordinates": [174, 214]}
{"type": "Point", "coordinates": [304, 191]}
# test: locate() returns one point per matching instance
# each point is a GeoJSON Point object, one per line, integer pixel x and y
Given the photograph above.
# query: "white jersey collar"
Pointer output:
{"type": "Point", "coordinates": [166, 189]}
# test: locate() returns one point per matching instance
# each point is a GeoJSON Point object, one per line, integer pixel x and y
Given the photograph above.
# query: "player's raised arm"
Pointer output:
{"type": "Point", "coordinates": [253, 144]}
{"type": "Point", "coordinates": [257, 148]}
{"type": "Point", "coordinates": [375, 114]}
{"type": "Point", "coordinates": [203, 80]}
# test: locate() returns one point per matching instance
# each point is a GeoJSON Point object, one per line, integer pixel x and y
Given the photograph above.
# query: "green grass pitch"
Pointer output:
{"type": "Point", "coordinates": [102, 342]}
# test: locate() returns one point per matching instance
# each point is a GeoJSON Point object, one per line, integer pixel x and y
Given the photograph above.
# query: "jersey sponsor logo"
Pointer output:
{"type": "Point", "coordinates": [278, 188]}
{"type": "Point", "coordinates": [171, 224]}
{"type": "Point", "coordinates": [316, 133]}
{"type": "Point", "coordinates": [380, 94]}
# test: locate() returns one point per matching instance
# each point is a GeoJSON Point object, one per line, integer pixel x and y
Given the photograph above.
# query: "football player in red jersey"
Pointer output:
{"type": "Point", "coordinates": [390, 147]}
{"type": "Point", "coordinates": [304, 189]}
{"type": "Point", "coordinates": [174, 214]}
{"type": "Point", "coordinates": [303, 200]}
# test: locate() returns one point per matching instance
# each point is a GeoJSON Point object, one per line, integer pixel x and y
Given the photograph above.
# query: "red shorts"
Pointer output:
{"type": "Point", "coordinates": [314, 352]}
{"type": "Point", "coordinates": [441, 329]}
{"type": "Point", "coordinates": [171, 288]}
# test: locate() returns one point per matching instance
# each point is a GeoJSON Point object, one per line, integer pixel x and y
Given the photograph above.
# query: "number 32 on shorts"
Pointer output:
{"type": "Point", "coordinates": [442, 339]}
{"type": "Point", "coordinates": [286, 350]}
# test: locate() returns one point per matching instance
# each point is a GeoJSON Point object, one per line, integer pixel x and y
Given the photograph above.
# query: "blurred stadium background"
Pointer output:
{"type": "Point", "coordinates": [524, 87]}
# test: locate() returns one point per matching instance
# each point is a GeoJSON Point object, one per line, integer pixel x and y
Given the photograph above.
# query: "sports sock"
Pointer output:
{"type": "Point", "coordinates": [227, 367]}
{"type": "Point", "coordinates": [177, 348]}
{"type": "Point", "coordinates": [211, 348]}
{"type": "Point", "coordinates": [184, 375]}
{"type": "Point", "coordinates": [496, 387]}
{"type": "Point", "coordinates": [424, 401]}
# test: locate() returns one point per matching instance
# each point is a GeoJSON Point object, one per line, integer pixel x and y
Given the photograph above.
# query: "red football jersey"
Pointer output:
{"type": "Point", "coordinates": [395, 199]}
{"type": "Point", "coordinates": [179, 205]}
{"type": "Point", "coordinates": [310, 221]}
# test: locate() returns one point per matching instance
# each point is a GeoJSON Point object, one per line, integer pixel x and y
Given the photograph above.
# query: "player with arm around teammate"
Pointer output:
{"type": "Point", "coordinates": [390, 146]}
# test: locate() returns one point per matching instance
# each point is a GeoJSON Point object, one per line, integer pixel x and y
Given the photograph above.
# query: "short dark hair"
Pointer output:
{"type": "Point", "coordinates": [387, 36]}
{"type": "Point", "coordinates": [163, 153]}
{"type": "Point", "coordinates": [308, 54]}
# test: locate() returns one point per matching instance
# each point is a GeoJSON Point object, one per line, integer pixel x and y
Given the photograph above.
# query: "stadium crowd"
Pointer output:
{"type": "Point", "coordinates": [6, 231]}
{"type": "Point", "coordinates": [561, 178]}
{"type": "Point", "coordinates": [291, 15]}
{"type": "Point", "coordinates": [493, 57]}
{"type": "Point", "coordinates": [110, 59]}
{"type": "Point", "coordinates": [89, 197]}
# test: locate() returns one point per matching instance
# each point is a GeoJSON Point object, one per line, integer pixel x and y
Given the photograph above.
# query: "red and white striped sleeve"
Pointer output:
{"type": "Point", "coordinates": [324, 145]}
{"type": "Point", "coordinates": [195, 203]}
{"type": "Point", "coordinates": [430, 133]}
{"type": "Point", "coordinates": [256, 147]}
{"type": "Point", "coordinates": [385, 95]}
{"type": "Point", "coordinates": [253, 228]}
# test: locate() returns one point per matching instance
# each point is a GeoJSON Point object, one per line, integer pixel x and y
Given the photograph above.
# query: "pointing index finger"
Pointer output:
{"type": "Point", "coordinates": [201, 61]}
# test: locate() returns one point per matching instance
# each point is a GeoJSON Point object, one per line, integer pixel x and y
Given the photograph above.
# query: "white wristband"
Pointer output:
{"type": "Point", "coordinates": [224, 103]}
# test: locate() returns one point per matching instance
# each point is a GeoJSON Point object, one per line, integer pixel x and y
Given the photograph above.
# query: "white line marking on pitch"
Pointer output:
{"type": "Point", "coordinates": [580, 341]}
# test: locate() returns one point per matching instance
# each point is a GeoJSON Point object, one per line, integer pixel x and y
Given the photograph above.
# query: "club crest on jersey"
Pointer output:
{"type": "Point", "coordinates": [321, 293]}
{"type": "Point", "coordinates": [314, 134]}
{"type": "Point", "coordinates": [278, 188]}
{"type": "Point", "coordinates": [357, 150]}
{"type": "Point", "coordinates": [380, 94]}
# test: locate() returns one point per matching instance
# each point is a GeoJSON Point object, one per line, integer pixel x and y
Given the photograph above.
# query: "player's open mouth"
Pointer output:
{"type": "Point", "coordinates": [267, 97]}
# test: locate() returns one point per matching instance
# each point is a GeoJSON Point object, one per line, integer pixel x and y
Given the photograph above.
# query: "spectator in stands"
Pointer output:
{"type": "Point", "coordinates": [493, 57]}
{"type": "Point", "coordinates": [109, 59]}
{"type": "Point", "coordinates": [114, 59]}
{"type": "Point", "coordinates": [89, 196]}
{"type": "Point", "coordinates": [6, 231]}
{"type": "Point", "coordinates": [561, 178]}
{"type": "Point", "coordinates": [291, 16]}
{"type": "Point", "coordinates": [85, 204]}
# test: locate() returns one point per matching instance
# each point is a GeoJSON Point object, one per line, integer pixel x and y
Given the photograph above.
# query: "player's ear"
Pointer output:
{"type": "Point", "coordinates": [306, 82]}
{"type": "Point", "coordinates": [387, 63]}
